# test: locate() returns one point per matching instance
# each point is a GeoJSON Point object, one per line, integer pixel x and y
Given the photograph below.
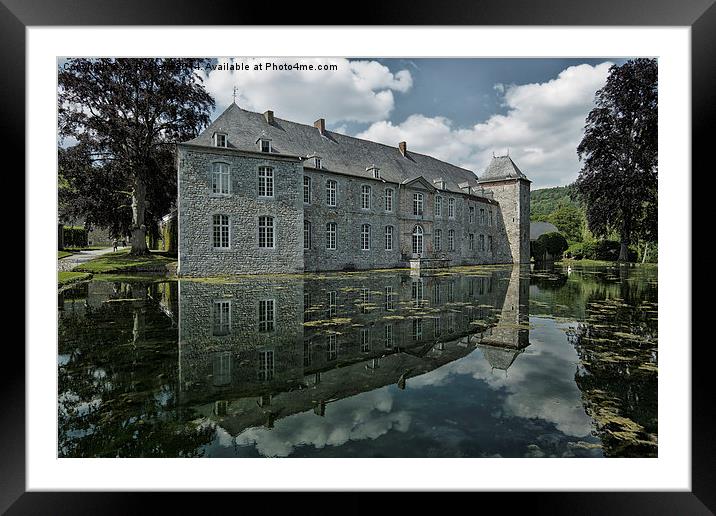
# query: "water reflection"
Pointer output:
{"type": "Point", "coordinates": [362, 364]}
{"type": "Point", "coordinates": [262, 349]}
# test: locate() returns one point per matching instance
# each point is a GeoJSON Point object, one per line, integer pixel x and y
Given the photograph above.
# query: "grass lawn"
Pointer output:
{"type": "Point", "coordinates": [63, 254]}
{"type": "Point", "coordinates": [122, 261]}
{"type": "Point", "coordinates": [65, 278]}
{"type": "Point", "coordinates": [585, 262]}
{"type": "Point", "coordinates": [89, 248]}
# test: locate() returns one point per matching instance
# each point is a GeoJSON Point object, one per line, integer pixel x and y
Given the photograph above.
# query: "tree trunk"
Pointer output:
{"type": "Point", "coordinates": [139, 230]}
{"type": "Point", "coordinates": [646, 250]}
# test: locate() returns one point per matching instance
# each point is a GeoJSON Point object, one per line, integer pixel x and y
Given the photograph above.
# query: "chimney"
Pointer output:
{"type": "Point", "coordinates": [268, 115]}
{"type": "Point", "coordinates": [403, 148]}
{"type": "Point", "coordinates": [320, 124]}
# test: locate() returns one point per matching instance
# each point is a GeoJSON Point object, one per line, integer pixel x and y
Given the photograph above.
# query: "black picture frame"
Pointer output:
{"type": "Point", "coordinates": [700, 15]}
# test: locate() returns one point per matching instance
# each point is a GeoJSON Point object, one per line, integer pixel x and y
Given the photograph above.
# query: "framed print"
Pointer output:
{"type": "Point", "coordinates": [416, 252]}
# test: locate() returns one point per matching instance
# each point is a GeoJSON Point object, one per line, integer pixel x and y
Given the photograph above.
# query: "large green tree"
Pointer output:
{"type": "Point", "coordinates": [618, 180]}
{"type": "Point", "coordinates": [123, 117]}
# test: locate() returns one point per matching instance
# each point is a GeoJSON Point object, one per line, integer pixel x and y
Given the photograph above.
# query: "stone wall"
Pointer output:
{"type": "Point", "coordinates": [514, 198]}
{"type": "Point", "coordinates": [197, 205]}
{"type": "Point", "coordinates": [197, 257]}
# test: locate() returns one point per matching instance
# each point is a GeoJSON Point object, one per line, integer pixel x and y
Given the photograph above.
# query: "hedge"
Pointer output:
{"type": "Point", "coordinates": [607, 250]}
{"type": "Point", "coordinates": [74, 236]}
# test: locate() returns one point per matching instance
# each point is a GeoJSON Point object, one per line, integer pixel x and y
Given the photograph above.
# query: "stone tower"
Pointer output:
{"type": "Point", "coordinates": [511, 188]}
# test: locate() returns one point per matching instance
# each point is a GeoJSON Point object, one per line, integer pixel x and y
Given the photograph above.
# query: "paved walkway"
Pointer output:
{"type": "Point", "coordinates": [70, 262]}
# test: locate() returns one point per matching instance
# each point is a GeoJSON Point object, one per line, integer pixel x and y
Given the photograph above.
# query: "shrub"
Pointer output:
{"type": "Point", "coordinates": [74, 236]}
{"type": "Point", "coordinates": [575, 251]}
{"type": "Point", "coordinates": [554, 243]}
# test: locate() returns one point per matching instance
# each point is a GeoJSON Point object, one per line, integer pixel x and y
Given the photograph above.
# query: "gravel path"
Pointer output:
{"type": "Point", "coordinates": [70, 262]}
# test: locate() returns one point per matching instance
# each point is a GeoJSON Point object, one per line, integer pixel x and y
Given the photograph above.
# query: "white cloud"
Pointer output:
{"type": "Point", "coordinates": [365, 416]}
{"type": "Point", "coordinates": [358, 91]}
{"type": "Point", "coordinates": [541, 129]}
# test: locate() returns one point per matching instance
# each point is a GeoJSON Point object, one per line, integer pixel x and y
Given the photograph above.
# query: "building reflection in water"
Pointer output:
{"type": "Point", "coordinates": [261, 349]}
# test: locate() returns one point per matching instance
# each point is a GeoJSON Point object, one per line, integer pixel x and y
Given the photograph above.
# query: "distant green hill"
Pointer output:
{"type": "Point", "coordinates": [546, 200]}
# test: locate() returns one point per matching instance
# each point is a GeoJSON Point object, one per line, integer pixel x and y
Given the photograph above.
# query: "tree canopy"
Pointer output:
{"type": "Point", "coordinates": [122, 118]}
{"type": "Point", "coordinates": [618, 180]}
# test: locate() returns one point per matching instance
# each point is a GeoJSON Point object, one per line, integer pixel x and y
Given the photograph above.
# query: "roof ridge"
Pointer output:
{"type": "Point", "coordinates": [357, 138]}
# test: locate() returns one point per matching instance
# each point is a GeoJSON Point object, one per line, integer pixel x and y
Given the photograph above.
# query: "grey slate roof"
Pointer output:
{"type": "Point", "coordinates": [538, 229]}
{"type": "Point", "coordinates": [338, 152]}
{"type": "Point", "coordinates": [501, 167]}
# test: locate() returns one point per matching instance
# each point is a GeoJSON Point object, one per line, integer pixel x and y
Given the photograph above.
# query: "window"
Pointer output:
{"type": "Point", "coordinates": [307, 306]}
{"type": "Point", "coordinates": [365, 237]}
{"type": "Point", "coordinates": [417, 292]}
{"type": "Point", "coordinates": [317, 162]}
{"type": "Point", "coordinates": [376, 173]}
{"type": "Point", "coordinates": [331, 189]}
{"type": "Point", "coordinates": [389, 304]}
{"type": "Point", "coordinates": [265, 145]}
{"type": "Point", "coordinates": [417, 204]}
{"type": "Point", "coordinates": [222, 318]}
{"type": "Point", "coordinates": [306, 189]}
{"type": "Point", "coordinates": [388, 341]}
{"type": "Point", "coordinates": [365, 197]}
{"type": "Point", "coordinates": [417, 240]}
{"type": "Point", "coordinates": [481, 242]}
{"type": "Point", "coordinates": [221, 231]}
{"type": "Point", "coordinates": [472, 214]}
{"type": "Point", "coordinates": [365, 340]}
{"type": "Point", "coordinates": [307, 353]}
{"type": "Point", "coordinates": [451, 208]}
{"type": "Point", "coordinates": [490, 221]}
{"type": "Point", "coordinates": [438, 206]}
{"type": "Point", "coordinates": [306, 234]}
{"type": "Point", "coordinates": [451, 239]}
{"type": "Point", "coordinates": [220, 179]}
{"type": "Point", "coordinates": [265, 182]}
{"type": "Point", "coordinates": [331, 235]}
{"type": "Point", "coordinates": [436, 293]}
{"type": "Point", "coordinates": [417, 329]}
{"type": "Point", "coordinates": [332, 348]}
{"type": "Point", "coordinates": [437, 237]}
{"type": "Point", "coordinates": [388, 199]}
{"type": "Point", "coordinates": [388, 238]}
{"type": "Point", "coordinates": [482, 216]}
{"type": "Point", "coordinates": [472, 242]}
{"type": "Point", "coordinates": [266, 232]}
{"type": "Point", "coordinates": [221, 368]}
{"type": "Point", "coordinates": [265, 365]}
{"type": "Point", "coordinates": [220, 140]}
{"type": "Point", "coordinates": [489, 243]}
{"type": "Point", "coordinates": [267, 315]}
{"type": "Point", "coordinates": [332, 303]}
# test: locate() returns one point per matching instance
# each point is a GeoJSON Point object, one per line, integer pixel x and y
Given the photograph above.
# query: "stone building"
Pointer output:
{"type": "Point", "coordinates": [259, 194]}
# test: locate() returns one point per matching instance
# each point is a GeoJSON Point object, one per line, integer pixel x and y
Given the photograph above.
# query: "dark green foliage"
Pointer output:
{"type": "Point", "coordinates": [553, 244]}
{"type": "Point", "coordinates": [618, 180]}
{"type": "Point", "coordinates": [607, 250]}
{"type": "Point", "coordinates": [547, 200]}
{"type": "Point", "coordinates": [569, 220]}
{"type": "Point", "coordinates": [74, 236]}
{"type": "Point", "coordinates": [126, 115]}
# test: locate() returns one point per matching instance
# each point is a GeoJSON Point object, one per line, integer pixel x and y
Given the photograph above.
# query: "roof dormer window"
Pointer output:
{"type": "Point", "coordinates": [317, 162]}
{"type": "Point", "coordinates": [374, 171]}
{"type": "Point", "coordinates": [264, 144]}
{"type": "Point", "coordinates": [220, 140]}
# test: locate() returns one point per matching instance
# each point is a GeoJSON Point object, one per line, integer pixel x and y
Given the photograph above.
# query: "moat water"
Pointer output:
{"type": "Point", "coordinates": [466, 362]}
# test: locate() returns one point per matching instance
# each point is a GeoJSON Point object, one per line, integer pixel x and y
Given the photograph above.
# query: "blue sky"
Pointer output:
{"type": "Point", "coordinates": [459, 110]}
